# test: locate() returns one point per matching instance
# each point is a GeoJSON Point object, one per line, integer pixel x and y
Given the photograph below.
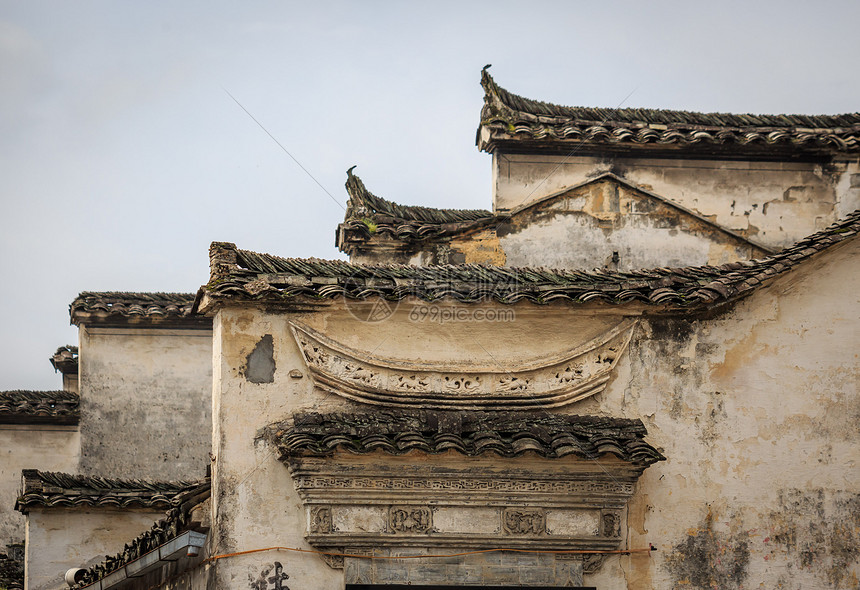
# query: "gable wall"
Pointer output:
{"type": "Point", "coordinates": [145, 402]}
{"type": "Point", "coordinates": [59, 539]}
{"type": "Point", "coordinates": [606, 224]}
{"type": "Point", "coordinates": [774, 203]}
{"type": "Point", "coordinates": [45, 447]}
{"type": "Point", "coordinates": [756, 411]}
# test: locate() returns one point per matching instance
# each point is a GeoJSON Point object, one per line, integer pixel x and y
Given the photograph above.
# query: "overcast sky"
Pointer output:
{"type": "Point", "coordinates": [123, 156]}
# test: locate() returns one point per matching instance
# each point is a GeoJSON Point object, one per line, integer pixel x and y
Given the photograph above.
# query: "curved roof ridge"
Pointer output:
{"type": "Point", "coordinates": [508, 434]}
{"type": "Point", "coordinates": [27, 406]}
{"type": "Point", "coordinates": [496, 95]}
{"type": "Point", "coordinates": [363, 203]}
{"type": "Point", "coordinates": [99, 305]}
{"type": "Point", "coordinates": [68, 481]}
{"type": "Point", "coordinates": [243, 275]}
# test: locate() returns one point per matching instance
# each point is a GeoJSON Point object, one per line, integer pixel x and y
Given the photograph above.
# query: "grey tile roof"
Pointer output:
{"type": "Point", "coordinates": [12, 567]}
{"type": "Point", "coordinates": [368, 217]}
{"type": "Point", "coordinates": [507, 434]}
{"type": "Point", "coordinates": [366, 210]}
{"type": "Point", "coordinates": [100, 307]}
{"type": "Point", "coordinates": [65, 360]}
{"type": "Point", "coordinates": [36, 407]}
{"type": "Point", "coordinates": [241, 275]}
{"type": "Point", "coordinates": [508, 116]}
{"type": "Point", "coordinates": [51, 489]}
{"type": "Point", "coordinates": [177, 521]}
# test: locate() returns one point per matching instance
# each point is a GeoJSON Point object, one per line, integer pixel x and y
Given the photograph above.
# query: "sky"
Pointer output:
{"type": "Point", "coordinates": [126, 148]}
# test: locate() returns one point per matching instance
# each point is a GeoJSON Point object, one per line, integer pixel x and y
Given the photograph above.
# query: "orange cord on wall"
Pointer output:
{"type": "Point", "coordinates": [477, 551]}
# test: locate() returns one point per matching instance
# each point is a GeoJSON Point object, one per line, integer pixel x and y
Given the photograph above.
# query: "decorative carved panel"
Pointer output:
{"type": "Point", "coordinates": [440, 506]}
{"type": "Point", "coordinates": [543, 382]}
{"type": "Point", "coordinates": [523, 521]}
{"type": "Point", "coordinates": [410, 519]}
{"type": "Point", "coordinates": [321, 519]}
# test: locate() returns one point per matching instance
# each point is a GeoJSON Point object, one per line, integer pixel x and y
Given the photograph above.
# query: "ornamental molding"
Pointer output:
{"type": "Point", "coordinates": [444, 506]}
{"type": "Point", "coordinates": [542, 382]}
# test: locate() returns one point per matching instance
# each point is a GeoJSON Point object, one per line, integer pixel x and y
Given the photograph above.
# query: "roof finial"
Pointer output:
{"type": "Point", "coordinates": [349, 172]}
{"type": "Point", "coordinates": [486, 67]}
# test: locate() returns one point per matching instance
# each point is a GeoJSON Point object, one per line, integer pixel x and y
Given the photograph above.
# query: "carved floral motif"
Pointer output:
{"type": "Point", "coordinates": [538, 383]}
{"type": "Point", "coordinates": [321, 519]}
{"type": "Point", "coordinates": [410, 519]}
{"type": "Point", "coordinates": [523, 521]}
{"type": "Point", "coordinates": [610, 524]}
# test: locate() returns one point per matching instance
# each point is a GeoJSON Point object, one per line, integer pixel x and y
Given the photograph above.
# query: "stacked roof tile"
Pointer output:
{"type": "Point", "coordinates": [54, 407]}
{"type": "Point", "coordinates": [12, 567]}
{"type": "Point", "coordinates": [368, 215]}
{"type": "Point", "coordinates": [471, 433]}
{"type": "Point", "coordinates": [507, 116]}
{"type": "Point", "coordinates": [243, 275]}
{"type": "Point", "coordinates": [177, 521]}
{"type": "Point", "coordinates": [51, 489]}
{"type": "Point", "coordinates": [92, 306]}
{"type": "Point", "coordinates": [65, 360]}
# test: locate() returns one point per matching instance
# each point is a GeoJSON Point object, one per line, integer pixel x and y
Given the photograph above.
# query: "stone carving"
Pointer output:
{"type": "Point", "coordinates": [411, 383]}
{"type": "Point", "coordinates": [333, 561]}
{"type": "Point", "coordinates": [523, 521]}
{"type": "Point", "coordinates": [463, 383]}
{"type": "Point", "coordinates": [359, 373]}
{"type": "Point", "coordinates": [592, 562]}
{"type": "Point", "coordinates": [410, 519]}
{"type": "Point", "coordinates": [513, 383]}
{"type": "Point", "coordinates": [536, 383]}
{"type": "Point", "coordinates": [478, 485]}
{"type": "Point", "coordinates": [321, 519]}
{"type": "Point", "coordinates": [314, 353]}
{"type": "Point", "coordinates": [610, 524]}
{"type": "Point", "coordinates": [570, 373]}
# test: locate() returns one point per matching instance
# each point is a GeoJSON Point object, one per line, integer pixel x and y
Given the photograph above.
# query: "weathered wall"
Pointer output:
{"type": "Point", "coordinates": [145, 402]}
{"type": "Point", "coordinates": [59, 539]}
{"type": "Point", "coordinates": [607, 224]}
{"type": "Point", "coordinates": [255, 504]}
{"type": "Point", "coordinates": [756, 411]}
{"type": "Point", "coordinates": [30, 446]}
{"type": "Point", "coordinates": [775, 203]}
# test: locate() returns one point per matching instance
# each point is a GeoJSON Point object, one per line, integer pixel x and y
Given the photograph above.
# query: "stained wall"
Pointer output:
{"type": "Point", "coordinates": [58, 539]}
{"type": "Point", "coordinates": [776, 203]}
{"type": "Point", "coordinates": [145, 402]}
{"type": "Point", "coordinates": [755, 409]}
{"type": "Point", "coordinates": [46, 447]}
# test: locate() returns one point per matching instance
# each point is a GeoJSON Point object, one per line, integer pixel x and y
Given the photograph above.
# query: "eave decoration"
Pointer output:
{"type": "Point", "coordinates": [544, 382]}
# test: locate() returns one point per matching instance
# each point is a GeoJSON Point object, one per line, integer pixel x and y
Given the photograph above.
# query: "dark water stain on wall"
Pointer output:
{"type": "Point", "coordinates": [709, 559]}
{"type": "Point", "coordinates": [818, 530]}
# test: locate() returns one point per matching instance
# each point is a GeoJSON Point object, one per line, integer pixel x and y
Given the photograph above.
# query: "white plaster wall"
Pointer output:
{"type": "Point", "coordinates": [30, 446]}
{"type": "Point", "coordinates": [776, 203]}
{"type": "Point", "coordinates": [145, 402]}
{"type": "Point", "coordinates": [255, 503]}
{"type": "Point", "coordinates": [575, 241]}
{"type": "Point", "coordinates": [59, 539]}
{"type": "Point", "coordinates": [756, 411]}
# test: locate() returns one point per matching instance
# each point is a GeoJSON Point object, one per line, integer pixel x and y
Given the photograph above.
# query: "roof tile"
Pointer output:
{"type": "Point", "coordinates": [512, 117]}
{"type": "Point", "coordinates": [54, 407]}
{"type": "Point", "coordinates": [289, 279]}
{"type": "Point", "coordinates": [470, 433]}
{"type": "Point", "coordinates": [52, 489]}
